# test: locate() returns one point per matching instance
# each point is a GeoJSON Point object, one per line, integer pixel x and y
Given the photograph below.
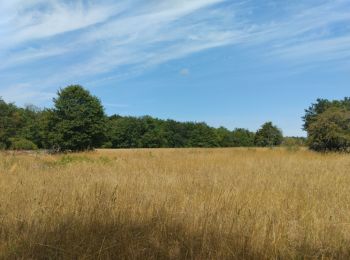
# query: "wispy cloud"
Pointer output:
{"type": "Point", "coordinates": [24, 94]}
{"type": "Point", "coordinates": [184, 72]}
{"type": "Point", "coordinates": [58, 41]}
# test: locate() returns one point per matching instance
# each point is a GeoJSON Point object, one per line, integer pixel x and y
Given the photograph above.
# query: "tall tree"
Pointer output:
{"type": "Point", "coordinates": [77, 121]}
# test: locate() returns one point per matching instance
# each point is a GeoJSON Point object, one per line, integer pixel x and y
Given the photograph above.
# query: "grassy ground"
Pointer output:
{"type": "Point", "coordinates": [175, 204]}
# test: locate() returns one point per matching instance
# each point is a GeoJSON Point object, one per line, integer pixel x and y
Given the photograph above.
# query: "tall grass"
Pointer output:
{"type": "Point", "coordinates": [175, 204]}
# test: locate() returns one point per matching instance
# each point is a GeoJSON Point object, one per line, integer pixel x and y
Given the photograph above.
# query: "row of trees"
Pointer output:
{"type": "Point", "coordinates": [78, 122]}
{"type": "Point", "coordinates": [148, 132]}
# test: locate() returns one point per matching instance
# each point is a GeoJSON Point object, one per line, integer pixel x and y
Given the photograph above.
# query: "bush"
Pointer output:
{"type": "Point", "coordinates": [22, 144]}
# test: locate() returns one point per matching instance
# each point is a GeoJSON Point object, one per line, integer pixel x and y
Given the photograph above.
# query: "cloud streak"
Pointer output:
{"type": "Point", "coordinates": [83, 40]}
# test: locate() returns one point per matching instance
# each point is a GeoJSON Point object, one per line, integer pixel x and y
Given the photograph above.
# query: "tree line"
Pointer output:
{"type": "Point", "coordinates": [78, 122]}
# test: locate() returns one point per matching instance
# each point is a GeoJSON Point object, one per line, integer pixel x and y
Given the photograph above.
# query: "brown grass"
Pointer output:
{"type": "Point", "coordinates": [175, 204]}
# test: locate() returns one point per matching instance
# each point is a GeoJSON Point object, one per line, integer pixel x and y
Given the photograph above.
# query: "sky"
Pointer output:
{"type": "Point", "coordinates": [231, 63]}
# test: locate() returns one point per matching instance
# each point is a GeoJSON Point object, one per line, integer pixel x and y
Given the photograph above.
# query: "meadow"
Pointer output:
{"type": "Point", "coordinates": [175, 204]}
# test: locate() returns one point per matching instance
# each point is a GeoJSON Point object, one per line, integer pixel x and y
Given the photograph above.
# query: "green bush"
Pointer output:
{"type": "Point", "coordinates": [22, 144]}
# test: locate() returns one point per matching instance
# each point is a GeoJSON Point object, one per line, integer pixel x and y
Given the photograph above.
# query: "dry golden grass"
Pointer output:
{"type": "Point", "coordinates": [175, 204]}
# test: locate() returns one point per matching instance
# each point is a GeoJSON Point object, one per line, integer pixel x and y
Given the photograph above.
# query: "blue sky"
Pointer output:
{"type": "Point", "coordinates": [232, 63]}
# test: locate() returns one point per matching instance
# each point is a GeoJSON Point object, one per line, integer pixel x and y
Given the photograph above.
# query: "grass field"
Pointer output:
{"type": "Point", "coordinates": [175, 204]}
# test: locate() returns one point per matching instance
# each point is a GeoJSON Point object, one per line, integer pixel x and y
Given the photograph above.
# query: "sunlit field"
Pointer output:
{"type": "Point", "coordinates": [175, 204]}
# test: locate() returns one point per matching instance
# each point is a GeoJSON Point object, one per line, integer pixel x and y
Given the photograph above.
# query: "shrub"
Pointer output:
{"type": "Point", "coordinates": [22, 144]}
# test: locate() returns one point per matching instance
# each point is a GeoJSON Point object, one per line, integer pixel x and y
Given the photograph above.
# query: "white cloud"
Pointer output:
{"type": "Point", "coordinates": [184, 72]}
{"type": "Point", "coordinates": [24, 21]}
{"type": "Point", "coordinates": [86, 38]}
{"type": "Point", "coordinates": [24, 93]}
{"type": "Point", "coordinates": [315, 34]}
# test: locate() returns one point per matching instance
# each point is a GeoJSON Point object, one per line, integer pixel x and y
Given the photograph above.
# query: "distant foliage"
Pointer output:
{"type": "Point", "coordinates": [22, 123]}
{"type": "Point", "coordinates": [242, 138]}
{"type": "Point", "coordinates": [268, 135]}
{"type": "Point", "coordinates": [328, 125]}
{"type": "Point", "coordinates": [77, 121]}
{"type": "Point", "coordinates": [291, 141]}
{"type": "Point", "coordinates": [148, 132]}
{"type": "Point", "coordinates": [10, 122]}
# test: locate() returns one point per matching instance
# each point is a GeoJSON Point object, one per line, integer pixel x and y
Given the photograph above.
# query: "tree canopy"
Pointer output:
{"type": "Point", "coordinates": [328, 125]}
{"type": "Point", "coordinates": [77, 121]}
{"type": "Point", "coordinates": [268, 135]}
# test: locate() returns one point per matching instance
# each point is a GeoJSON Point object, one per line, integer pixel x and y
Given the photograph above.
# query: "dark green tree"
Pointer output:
{"type": "Point", "coordinates": [201, 135]}
{"type": "Point", "coordinates": [32, 118]}
{"type": "Point", "coordinates": [77, 121]}
{"type": "Point", "coordinates": [242, 138]}
{"type": "Point", "coordinates": [154, 135]}
{"type": "Point", "coordinates": [268, 135]}
{"type": "Point", "coordinates": [225, 137]}
{"type": "Point", "coordinates": [175, 134]}
{"type": "Point", "coordinates": [125, 132]}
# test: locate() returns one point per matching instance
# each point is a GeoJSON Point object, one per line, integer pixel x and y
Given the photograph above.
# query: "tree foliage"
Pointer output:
{"type": "Point", "coordinates": [321, 105]}
{"type": "Point", "coordinates": [242, 138]}
{"type": "Point", "coordinates": [77, 121]}
{"type": "Point", "coordinates": [10, 123]}
{"type": "Point", "coordinates": [22, 144]}
{"type": "Point", "coordinates": [268, 135]}
{"type": "Point", "coordinates": [329, 128]}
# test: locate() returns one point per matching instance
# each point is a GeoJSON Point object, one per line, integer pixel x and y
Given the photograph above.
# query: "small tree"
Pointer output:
{"type": "Point", "coordinates": [268, 135]}
{"type": "Point", "coordinates": [77, 121]}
